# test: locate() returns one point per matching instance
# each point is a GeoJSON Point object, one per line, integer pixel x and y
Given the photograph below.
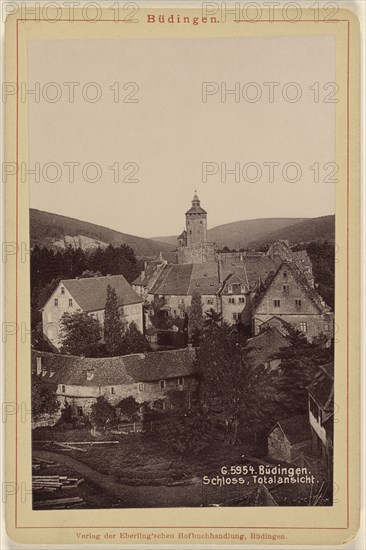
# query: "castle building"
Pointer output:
{"type": "Point", "coordinates": [251, 288]}
{"type": "Point", "coordinates": [193, 246]}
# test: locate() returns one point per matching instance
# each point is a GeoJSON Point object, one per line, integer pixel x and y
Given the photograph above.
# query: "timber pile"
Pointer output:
{"type": "Point", "coordinates": [59, 503]}
{"type": "Point", "coordinates": [81, 445]}
{"type": "Point", "coordinates": [53, 483]}
{"type": "Point", "coordinates": [38, 463]}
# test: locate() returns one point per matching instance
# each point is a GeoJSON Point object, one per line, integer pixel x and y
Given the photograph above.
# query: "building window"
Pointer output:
{"type": "Point", "coordinates": [80, 411]}
{"type": "Point", "coordinates": [286, 288]}
{"type": "Point", "coordinates": [236, 316]}
{"type": "Point", "coordinates": [162, 384]}
{"type": "Point", "coordinates": [181, 382]}
{"type": "Point", "coordinates": [284, 274]}
{"type": "Point", "coordinates": [230, 289]}
{"type": "Point", "coordinates": [56, 302]}
{"type": "Point", "coordinates": [141, 387]}
{"type": "Point", "coordinates": [277, 303]}
{"type": "Point", "coordinates": [70, 302]}
{"type": "Point", "coordinates": [241, 300]}
{"type": "Point", "coordinates": [62, 290]}
{"type": "Point", "coordinates": [52, 371]}
{"type": "Point", "coordinates": [209, 301]}
{"type": "Point", "coordinates": [63, 389]}
{"type": "Point", "coordinates": [112, 390]}
{"type": "Point", "coordinates": [231, 300]}
{"type": "Point", "coordinates": [303, 327]}
{"type": "Point", "coordinates": [298, 303]}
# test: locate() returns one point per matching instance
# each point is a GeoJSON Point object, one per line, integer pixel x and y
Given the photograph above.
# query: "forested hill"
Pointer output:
{"type": "Point", "coordinates": [56, 231]}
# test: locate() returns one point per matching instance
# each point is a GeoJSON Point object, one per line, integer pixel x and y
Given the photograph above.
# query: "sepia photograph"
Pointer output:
{"type": "Point", "coordinates": [182, 328]}
{"type": "Point", "coordinates": [183, 316]}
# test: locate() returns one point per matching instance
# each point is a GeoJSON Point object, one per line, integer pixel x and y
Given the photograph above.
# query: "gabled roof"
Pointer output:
{"type": "Point", "coordinates": [296, 429]}
{"type": "Point", "coordinates": [322, 387]}
{"type": "Point", "coordinates": [251, 269]}
{"type": "Point", "coordinates": [91, 293]}
{"type": "Point", "coordinates": [302, 282]}
{"type": "Point", "coordinates": [265, 346]}
{"type": "Point", "coordinates": [108, 371]}
{"type": "Point", "coordinates": [184, 279]}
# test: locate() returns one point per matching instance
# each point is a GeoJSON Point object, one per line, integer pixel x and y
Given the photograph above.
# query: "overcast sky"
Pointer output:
{"type": "Point", "coordinates": [170, 132]}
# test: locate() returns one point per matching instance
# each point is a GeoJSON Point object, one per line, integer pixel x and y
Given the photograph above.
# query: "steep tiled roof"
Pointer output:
{"type": "Point", "coordinates": [204, 278]}
{"type": "Point", "coordinates": [184, 279]}
{"type": "Point", "coordinates": [176, 280]}
{"type": "Point", "coordinates": [250, 269]}
{"type": "Point", "coordinates": [127, 369]}
{"type": "Point", "coordinates": [296, 429]}
{"type": "Point", "coordinates": [322, 387]}
{"type": "Point", "coordinates": [91, 293]}
{"type": "Point", "coordinates": [265, 346]}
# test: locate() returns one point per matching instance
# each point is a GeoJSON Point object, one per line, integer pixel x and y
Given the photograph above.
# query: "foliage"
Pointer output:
{"type": "Point", "coordinates": [299, 362]}
{"type": "Point", "coordinates": [113, 325]}
{"type": "Point", "coordinates": [224, 376]}
{"type": "Point", "coordinates": [190, 432]}
{"type": "Point", "coordinates": [128, 406]}
{"type": "Point", "coordinates": [44, 398]}
{"type": "Point", "coordinates": [195, 319]}
{"type": "Point", "coordinates": [80, 334]}
{"type": "Point", "coordinates": [133, 341]}
{"type": "Point", "coordinates": [89, 273]}
{"type": "Point", "coordinates": [102, 412]}
{"type": "Point", "coordinates": [48, 267]}
{"type": "Point", "coordinates": [212, 317]}
{"type": "Point", "coordinates": [322, 255]}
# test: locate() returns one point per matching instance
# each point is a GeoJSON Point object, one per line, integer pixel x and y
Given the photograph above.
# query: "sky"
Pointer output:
{"type": "Point", "coordinates": [169, 132]}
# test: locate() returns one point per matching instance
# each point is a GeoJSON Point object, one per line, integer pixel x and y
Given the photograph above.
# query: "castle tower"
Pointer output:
{"type": "Point", "coordinates": [196, 223]}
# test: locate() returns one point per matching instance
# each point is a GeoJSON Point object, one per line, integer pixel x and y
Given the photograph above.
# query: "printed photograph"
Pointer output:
{"type": "Point", "coordinates": [182, 268]}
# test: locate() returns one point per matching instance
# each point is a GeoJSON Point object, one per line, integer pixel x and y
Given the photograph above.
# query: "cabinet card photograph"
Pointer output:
{"type": "Point", "coordinates": [182, 300]}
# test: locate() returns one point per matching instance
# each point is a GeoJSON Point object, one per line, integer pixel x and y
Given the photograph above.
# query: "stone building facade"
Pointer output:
{"type": "Point", "coordinates": [150, 377]}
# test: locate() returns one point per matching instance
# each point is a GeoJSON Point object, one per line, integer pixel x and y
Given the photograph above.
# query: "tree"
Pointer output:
{"type": "Point", "coordinates": [133, 341]}
{"type": "Point", "coordinates": [80, 334]}
{"type": "Point", "coordinates": [113, 326]}
{"type": "Point", "coordinates": [128, 407]}
{"type": "Point", "coordinates": [44, 399]}
{"type": "Point", "coordinates": [189, 432]}
{"type": "Point", "coordinates": [224, 376]}
{"type": "Point", "coordinates": [195, 319]}
{"type": "Point", "coordinates": [299, 362]}
{"type": "Point", "coordinates": [212, 316]}
{"type": "Point", "coordinates": [102, 412]}
{"type": "Point", "coordinates": [88, 273]}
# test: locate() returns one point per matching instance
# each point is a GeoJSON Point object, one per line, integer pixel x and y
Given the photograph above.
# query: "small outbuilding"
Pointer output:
{"type": "Point", "coordinates": [289, 437]}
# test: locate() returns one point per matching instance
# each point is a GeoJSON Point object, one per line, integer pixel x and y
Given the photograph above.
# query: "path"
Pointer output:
{"type": "Point", "coordinates": [130, 496]}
